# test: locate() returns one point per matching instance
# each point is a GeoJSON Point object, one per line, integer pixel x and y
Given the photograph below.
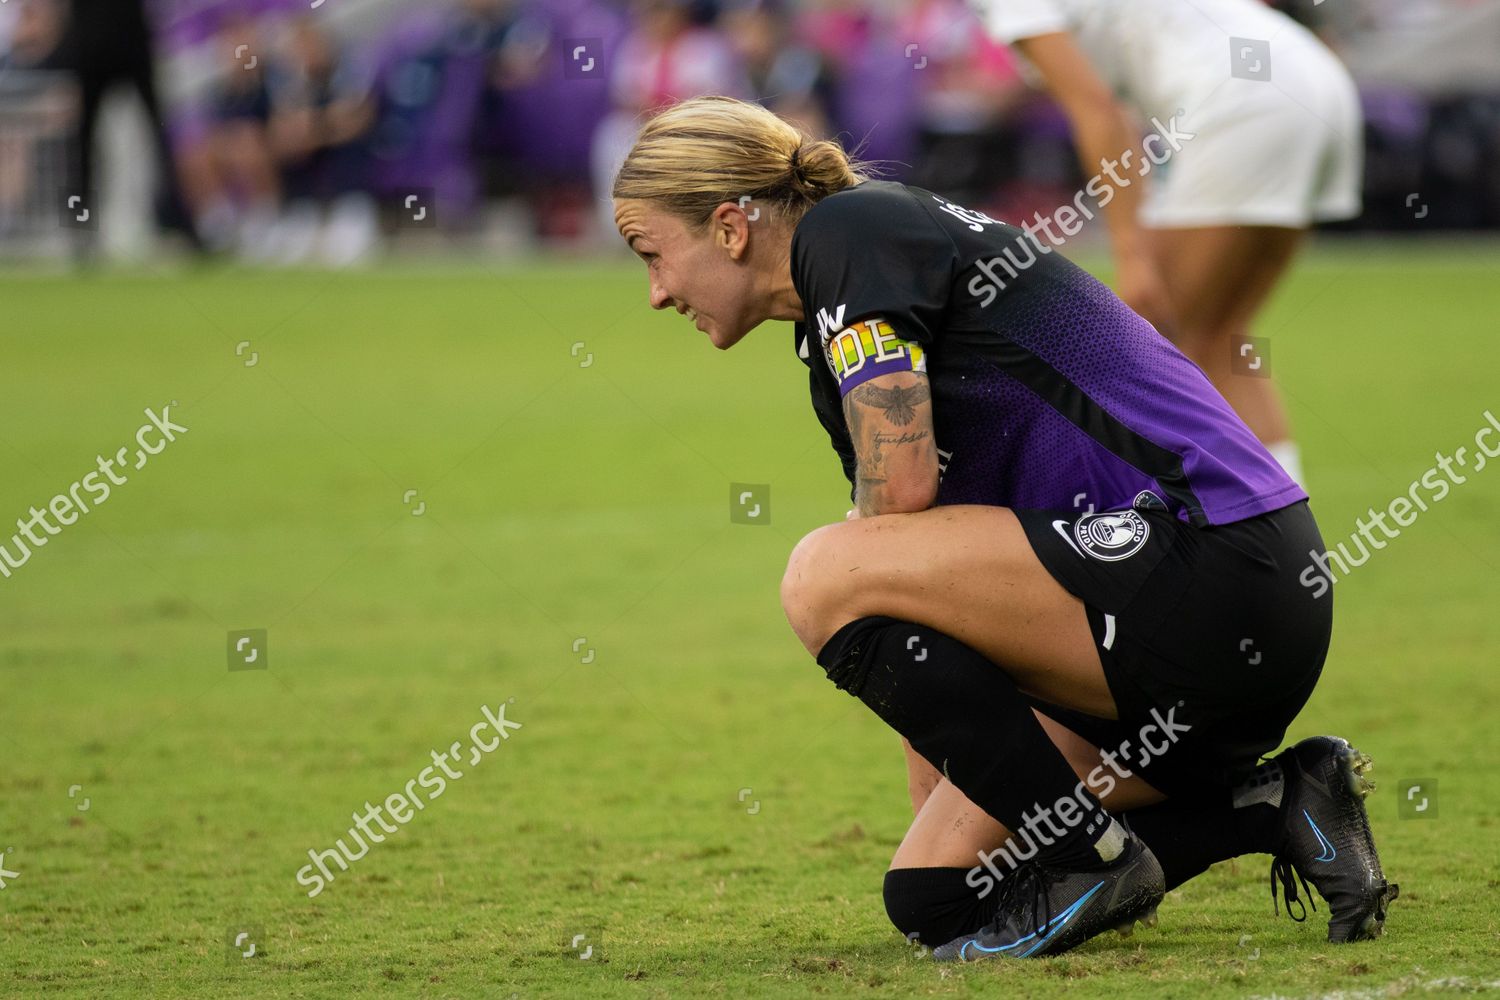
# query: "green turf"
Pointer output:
{"type": "Point", "coordinates": [564, 503]}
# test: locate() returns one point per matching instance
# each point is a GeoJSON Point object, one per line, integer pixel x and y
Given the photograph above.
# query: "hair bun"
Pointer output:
{"type": "Point", "coordinates": [696, 155]}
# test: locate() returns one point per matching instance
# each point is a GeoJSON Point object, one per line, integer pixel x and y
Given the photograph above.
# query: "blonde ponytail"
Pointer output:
{"type": "Point", "coordinates": [700, 153]}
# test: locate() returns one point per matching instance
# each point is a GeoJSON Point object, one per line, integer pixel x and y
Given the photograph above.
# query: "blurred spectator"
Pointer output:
{"type": "Point", "coordinates": [437, 84]}
{"type": "Point", "coordinates": [321, 110]}
{"type": "Point", "coordinates": [34, 39]}
{"type": "Point", "coordinates": [41, 102]}
{"type": "Point", "coordinates": [551, 100]}
{"type": "Point", "coordinates": [230, 175]}
{"type": "Point", "coordinates": [785, 74]}
{"type": "Point", "coordinates": [669, 57]}
{"type": "Point", "coordinates": [666, 57]}
{"type": "Point", "coordinates": [109, 43]}
{"type": "Point", "coordinates": [839, 30]}
{"type": "Point", "coordinates": [876, 79]}
{"type": "Point", "coordinates": [968, 88]}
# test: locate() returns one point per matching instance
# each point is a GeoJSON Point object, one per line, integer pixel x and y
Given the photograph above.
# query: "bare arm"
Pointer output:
{"type": "Point", "coordinates": [890, 423]}
{"type": "Point", "coordinates": [1107, 140]}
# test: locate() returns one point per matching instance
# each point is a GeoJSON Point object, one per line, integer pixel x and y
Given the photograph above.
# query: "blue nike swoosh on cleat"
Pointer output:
{"type": "Point", "coordinates": [1328, 848]}
{"type": "Point", "coordinates": [1048, 930]}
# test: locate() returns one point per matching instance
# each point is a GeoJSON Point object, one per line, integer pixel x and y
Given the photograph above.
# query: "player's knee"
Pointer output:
{"type": "Point", "coordinates": [935, 905]}
{"type": "Point", "coordinates": [809, 595]}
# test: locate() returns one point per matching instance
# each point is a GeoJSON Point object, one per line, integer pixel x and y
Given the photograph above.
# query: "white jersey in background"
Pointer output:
{"type": "Point", "coordinates": [1275, 117]}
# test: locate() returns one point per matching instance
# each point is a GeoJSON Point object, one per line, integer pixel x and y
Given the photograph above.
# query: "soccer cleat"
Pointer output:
{"type": "Point", "coordinates": [1325, 839]}
{"type": "Point", "coordinates": [1047, 911]}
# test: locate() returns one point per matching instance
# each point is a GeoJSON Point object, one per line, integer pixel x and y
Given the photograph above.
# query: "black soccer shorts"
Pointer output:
{"type": "Point", "coordinates": [1210, 644]}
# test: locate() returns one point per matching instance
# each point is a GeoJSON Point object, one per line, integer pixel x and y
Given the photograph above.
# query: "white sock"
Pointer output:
{"type": "Point", "coordinates": [1265, 785]}
{"type": "Point", "coordinates": [1290, 457]}
{"type": "Point", "coordinates": [1111, 843]}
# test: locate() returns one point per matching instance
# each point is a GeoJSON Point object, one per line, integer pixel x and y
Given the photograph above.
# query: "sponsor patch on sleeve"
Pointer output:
{"type": "Point", "coordinates": [869, 349]}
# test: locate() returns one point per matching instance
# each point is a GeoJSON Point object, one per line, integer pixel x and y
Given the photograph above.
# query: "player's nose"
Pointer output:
{"type": "Point", "coordinates": [659, 297]}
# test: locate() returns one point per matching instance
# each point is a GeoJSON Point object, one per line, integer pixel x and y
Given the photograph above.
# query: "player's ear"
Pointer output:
{"type": "Point", "coordinates": [731, 229]}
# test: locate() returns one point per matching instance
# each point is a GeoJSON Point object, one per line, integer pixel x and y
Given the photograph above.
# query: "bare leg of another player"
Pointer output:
{"type": "Point", "coordinates": [1219, 277]}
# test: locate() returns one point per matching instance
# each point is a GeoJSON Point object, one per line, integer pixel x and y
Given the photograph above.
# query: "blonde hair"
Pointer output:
{"type": "Point", "coordinates": [698, 154]}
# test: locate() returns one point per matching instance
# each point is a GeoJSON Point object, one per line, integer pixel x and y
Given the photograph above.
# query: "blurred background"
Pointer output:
{"type": "Point", "coordinates": [332, 132]}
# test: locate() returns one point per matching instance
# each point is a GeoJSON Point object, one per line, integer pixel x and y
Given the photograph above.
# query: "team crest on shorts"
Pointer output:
{"type": "Point", "coordinates": [1112, 537]}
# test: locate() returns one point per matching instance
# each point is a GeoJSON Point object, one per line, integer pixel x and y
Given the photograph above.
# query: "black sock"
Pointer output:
{"type": "Point", "coordinates": [966, 717]}
{"type": "Point", "coordinates": [1189, 834]}
{"type": "Point", "coordinates": [935, 905]}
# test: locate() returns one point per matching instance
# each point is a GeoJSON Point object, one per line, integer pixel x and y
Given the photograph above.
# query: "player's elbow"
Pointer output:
{"type": "Point", "coordinates": [910, 494]}
{"type": "Point", "coordinates": [906, 493]}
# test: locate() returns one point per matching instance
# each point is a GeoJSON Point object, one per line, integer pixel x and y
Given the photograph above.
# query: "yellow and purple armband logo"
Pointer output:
{"type": "Point", "coordinates": [862, 351]}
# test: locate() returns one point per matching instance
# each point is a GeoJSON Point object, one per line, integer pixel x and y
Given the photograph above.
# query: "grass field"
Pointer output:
{"type": "Point", "coordinates": [687, 791]}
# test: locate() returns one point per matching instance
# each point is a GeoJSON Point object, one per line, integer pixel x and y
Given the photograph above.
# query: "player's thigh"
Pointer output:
{"type": "Point", "coordinates": [967, 571]}
{"type": "Point", "coordinates": [1220, 276]}
{"type": "Point", "coordinates": [950, 831]}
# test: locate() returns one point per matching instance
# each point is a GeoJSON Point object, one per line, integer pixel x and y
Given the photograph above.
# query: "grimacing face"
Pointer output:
{"type": "Point", "coordinates": [706, 275]}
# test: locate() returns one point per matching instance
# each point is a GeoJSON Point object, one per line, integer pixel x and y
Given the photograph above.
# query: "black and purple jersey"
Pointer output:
{"type": "Point", "coordinates": [1048, 392]}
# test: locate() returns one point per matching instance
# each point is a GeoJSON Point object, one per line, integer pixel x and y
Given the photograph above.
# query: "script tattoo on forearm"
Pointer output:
{"type": "Point", "coordinates": [876, 457]}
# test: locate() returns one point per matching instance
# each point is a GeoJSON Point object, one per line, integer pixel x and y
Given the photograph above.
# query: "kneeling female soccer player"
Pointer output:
{"type": "Point", "coordinates": [1071, 578]}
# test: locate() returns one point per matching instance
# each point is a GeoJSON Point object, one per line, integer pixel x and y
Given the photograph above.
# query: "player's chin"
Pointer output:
{"type": "Point", "coordinates": [723, 338]}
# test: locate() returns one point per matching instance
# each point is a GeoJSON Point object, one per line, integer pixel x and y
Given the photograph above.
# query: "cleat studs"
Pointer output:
{"type": "Point", "coordinates": [1150, 918]}
{"type": "Point", "coordinates": [1356, 764]}
{"type": "Point", "coordinates": [1126, 929]}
